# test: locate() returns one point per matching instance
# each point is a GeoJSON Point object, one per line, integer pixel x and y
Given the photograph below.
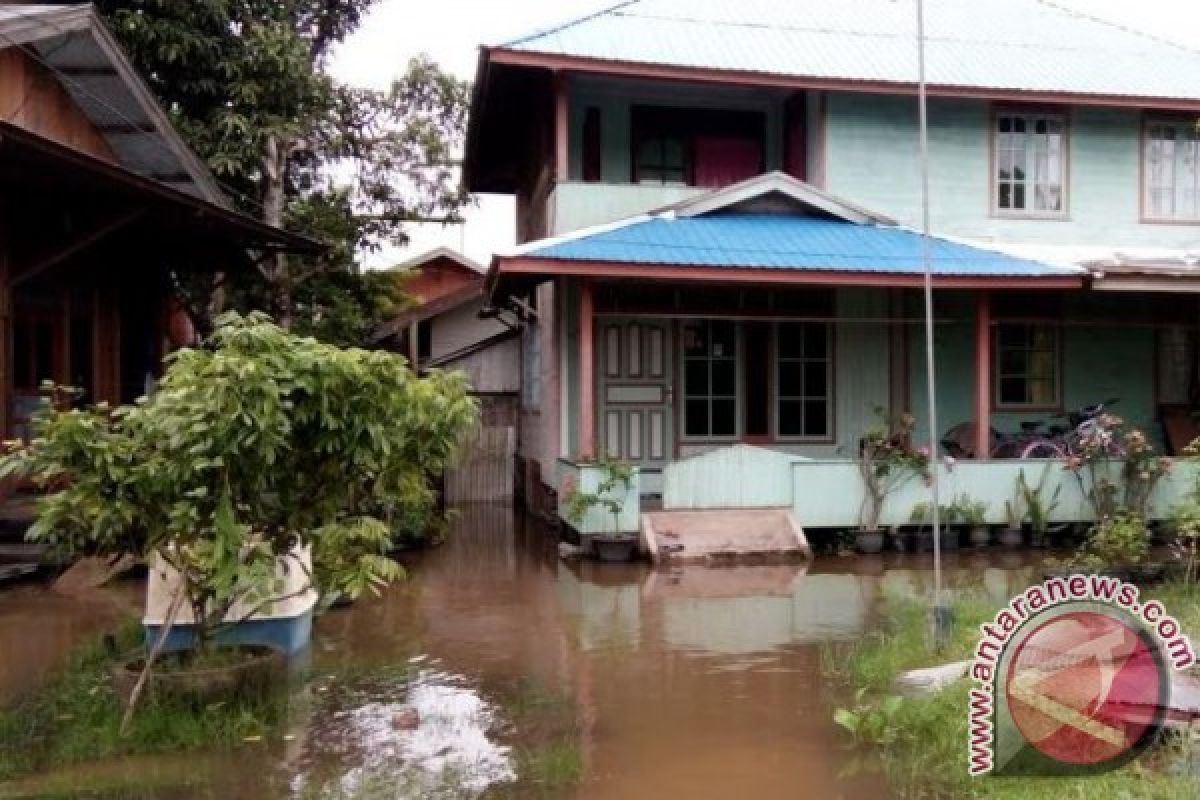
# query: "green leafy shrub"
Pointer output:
{"type": "Point", "coordinates": [255, 444]}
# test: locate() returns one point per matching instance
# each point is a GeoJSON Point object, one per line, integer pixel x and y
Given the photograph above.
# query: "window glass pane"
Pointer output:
{"type": "Point", "coordinates": [696, 417]}
{"type": "Point", "coordinates": [724, 417]}
{"type": "Point", "coordinates": [816, 341]}
{"type": "Point", "coordinates": [695, 381]}
{"type": "Point", "coordinates": [815, 373]}
{"type": "Point", "coordinates": [791, 379]}
{"type": "Point", "coordinates": [1012, 391]}
{"type": "Point", "coordinates": [724, 378]}
{"type": "Point", "coordinates": [815, 417]}
{"type": "Point", "coordinates": [791, 418]}
{"type": "Point", "coordinates": [724, 339]}
{"type": "Point", "coordinates": [695, 339]}
{"type": "Point", "coordinates": [791, 340]}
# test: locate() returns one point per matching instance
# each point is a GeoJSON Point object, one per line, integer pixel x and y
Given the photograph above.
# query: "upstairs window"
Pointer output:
{"type": "Point", "coordinates": [1030, 164]}
{"type": "Point", "coordinates": [1171, 177]}
{"type": "Point", "coordinates": [696, 147]}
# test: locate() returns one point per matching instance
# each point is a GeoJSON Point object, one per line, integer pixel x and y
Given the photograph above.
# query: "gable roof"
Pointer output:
{"type": "Point", "coordinates": [1029, 46]}
{"type": "Point", "coordinates": [73, 43]}
{"type": "Point", "coordinates": [742, 234]}
{"type": "Point", "coordinates": [429, 256]}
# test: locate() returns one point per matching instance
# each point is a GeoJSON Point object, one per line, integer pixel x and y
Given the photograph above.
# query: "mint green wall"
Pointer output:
{"type": "Point", "coordinates": [1098, 363]}
{"type": "Point", "coordinates": [871, 158]}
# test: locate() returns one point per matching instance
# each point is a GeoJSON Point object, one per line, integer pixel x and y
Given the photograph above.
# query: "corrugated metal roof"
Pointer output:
{"type": "Point", "coordinates": [787, 242]}
{"type": "Point", "coordinates": [72, 42]}
{"type": "Point", "coordinates": [1023, 45]}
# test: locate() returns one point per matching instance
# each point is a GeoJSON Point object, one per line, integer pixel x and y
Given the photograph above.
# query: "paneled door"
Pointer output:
{"type": "Point", "coordinates": [634, 380]}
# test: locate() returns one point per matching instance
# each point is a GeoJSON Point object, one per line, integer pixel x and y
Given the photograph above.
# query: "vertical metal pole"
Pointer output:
{"type": "Point", "coordinates": [940, 613]}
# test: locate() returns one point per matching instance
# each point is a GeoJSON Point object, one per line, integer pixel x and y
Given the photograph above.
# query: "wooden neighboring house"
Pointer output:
{"type": "Point", "coordinates": [101, 202]}
{"type": "Point", "coordinates": [450, 327]}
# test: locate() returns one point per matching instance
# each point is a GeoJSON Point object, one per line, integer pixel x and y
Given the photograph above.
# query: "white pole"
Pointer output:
{"type": "Point", "coordinates": [927, 263]}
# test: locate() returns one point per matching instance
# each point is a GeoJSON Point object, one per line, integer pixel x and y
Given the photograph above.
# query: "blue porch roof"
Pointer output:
{"type": "Point", "coordinates": [786, 242]}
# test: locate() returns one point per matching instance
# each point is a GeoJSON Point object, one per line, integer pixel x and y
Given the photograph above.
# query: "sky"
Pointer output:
{"type": "Point", "coordinates": [451, 31]}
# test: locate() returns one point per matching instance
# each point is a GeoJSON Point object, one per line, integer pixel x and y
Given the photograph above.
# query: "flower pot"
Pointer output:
{"type": "Point", "coordinates": [979, 535]}
{"type": "Point", "coordinates": [868, 541]}
{"type": "Point", "coordinates": [248, 671]}
{"type": "Point", "coordinates": [947, 538]}
{"type": "Point", "coordinates": [614, 548]}
{"type": "Point", "coordinates": [904, 541]}
{"type": "Point", "coordinates": [1010, 537]}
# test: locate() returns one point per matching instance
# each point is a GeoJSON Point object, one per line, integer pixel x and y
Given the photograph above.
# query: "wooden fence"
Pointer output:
{"type": "Point", "coordinates": [485, 474]}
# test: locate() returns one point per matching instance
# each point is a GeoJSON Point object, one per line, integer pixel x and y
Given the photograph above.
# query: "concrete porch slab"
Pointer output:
{"type": "Point", "coordinates": [723, 535]}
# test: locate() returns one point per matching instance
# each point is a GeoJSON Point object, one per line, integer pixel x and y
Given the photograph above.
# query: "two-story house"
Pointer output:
{"type": "Point", "coordinates": [718, 206]}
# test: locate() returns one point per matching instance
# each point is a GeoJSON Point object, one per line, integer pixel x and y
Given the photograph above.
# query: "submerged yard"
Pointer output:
{"type": "Point", "coordinates": [537, 678]}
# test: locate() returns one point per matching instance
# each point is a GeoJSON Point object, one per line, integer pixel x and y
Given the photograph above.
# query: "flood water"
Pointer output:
{"type": "Point", "coordinates": [689, 682]}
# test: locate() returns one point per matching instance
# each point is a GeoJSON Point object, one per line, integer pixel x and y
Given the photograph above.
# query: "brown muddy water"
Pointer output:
{"type": "Point", "coordinates": [689, 682]}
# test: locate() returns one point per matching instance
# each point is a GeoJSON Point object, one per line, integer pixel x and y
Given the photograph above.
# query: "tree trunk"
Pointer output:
{"type": "Point", "coordinates": [275, 268]}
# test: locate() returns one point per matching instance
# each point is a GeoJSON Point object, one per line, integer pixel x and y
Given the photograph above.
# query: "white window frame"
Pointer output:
{"type": "Point", "coordinates": [1034, 145]}
{"type": "Point", "coordinates": [778, 397]}
{"type": "Point", "coordinates": [1154, 179]}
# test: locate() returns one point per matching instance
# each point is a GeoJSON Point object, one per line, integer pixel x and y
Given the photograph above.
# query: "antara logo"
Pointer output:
{"type": "Point", "coordinates": [1073, 677]}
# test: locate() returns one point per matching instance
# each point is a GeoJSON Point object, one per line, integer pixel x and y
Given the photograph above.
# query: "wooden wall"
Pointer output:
{"type": "Point", "coordinates": [32, 98]}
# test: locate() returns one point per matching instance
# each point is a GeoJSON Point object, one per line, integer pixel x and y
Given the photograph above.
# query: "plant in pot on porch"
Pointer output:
{"type": "Point", "coordinates": [886, 461]}
{"type": "Point", "coordinates": [948, 518]}
{"type": "Point", "coordinates": [1038, 507]}
{"type": "Point", "coordinates": [609, 495]}
{"type": "Point", "coordinates": [258, 451]}
{"type": "Point", "coordinates": [973, 515]}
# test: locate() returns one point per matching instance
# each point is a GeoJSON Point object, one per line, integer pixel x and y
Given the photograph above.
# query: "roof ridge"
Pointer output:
{"type": "Point", "coordinates": [1118, 26]}
{"type": "Point", "coordinates": [568, 23]}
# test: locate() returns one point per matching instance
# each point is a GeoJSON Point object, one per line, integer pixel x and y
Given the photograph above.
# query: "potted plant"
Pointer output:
{"type": "Point", "coordinates": [886, 461]}
{"type": "Point", "coordinates": [1012, 534]}
{"type": "Point", "coordinates": [1038, 507]}
{"type": "Point", "coordinates": [974, 516]}
{"type": "Point", "coordinates": [922, 516]}
{"type": "Point", "coordinates": [258, 451]}
{"type": "Point", "coordinates": [609, 495]}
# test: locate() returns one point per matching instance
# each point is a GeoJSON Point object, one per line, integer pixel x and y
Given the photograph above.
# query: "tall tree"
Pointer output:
{"type": "Point", "coordinates": [247, 82]}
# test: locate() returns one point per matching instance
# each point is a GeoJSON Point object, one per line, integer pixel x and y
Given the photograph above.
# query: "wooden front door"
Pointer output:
{"type": "Point", "coordinates": [634, 368]}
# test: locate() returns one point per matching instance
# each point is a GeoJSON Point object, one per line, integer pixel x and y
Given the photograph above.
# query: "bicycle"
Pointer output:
{"type": "Point", "coordinates": [1086, 428]}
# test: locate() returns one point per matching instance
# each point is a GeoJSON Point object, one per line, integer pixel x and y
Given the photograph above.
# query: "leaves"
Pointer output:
{"type": "Point", "coordinates": [247, 85]}
{"type": "Point", "coordinates": [258, 442]}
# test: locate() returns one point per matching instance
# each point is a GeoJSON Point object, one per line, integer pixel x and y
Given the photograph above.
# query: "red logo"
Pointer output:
{"type": "Point", "coordinates": [1086, 688]}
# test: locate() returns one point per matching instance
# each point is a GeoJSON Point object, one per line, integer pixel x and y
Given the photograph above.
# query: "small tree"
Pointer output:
{"type": "Point", "coordinates": [256, 444]}
{"type": "Point", "coordinates": [886, 461]}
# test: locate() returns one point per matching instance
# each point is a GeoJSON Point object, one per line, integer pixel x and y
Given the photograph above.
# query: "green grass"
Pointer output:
{"type": "Point", "coordinates": [929, 760]}
{"type": "Point", "coordinates": [76, 718]}
{"type": "Point", "coordinates": [544, 735]}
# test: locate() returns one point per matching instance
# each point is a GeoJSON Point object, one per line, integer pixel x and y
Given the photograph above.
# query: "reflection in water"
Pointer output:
{"type": "Point", "coordinates": [688, 682]}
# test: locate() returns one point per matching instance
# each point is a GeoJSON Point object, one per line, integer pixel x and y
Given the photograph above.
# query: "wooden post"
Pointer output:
{"type": "Point", "coordinates": [562, 162]}
{"type": "Point", "coordinates": [983, 375]}
{"type": "Point", "coordinates": [587, 373]}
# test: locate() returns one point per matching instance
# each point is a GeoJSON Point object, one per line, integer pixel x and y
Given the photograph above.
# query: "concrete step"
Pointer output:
{"type": "Point", "coordinates": [723, 536]}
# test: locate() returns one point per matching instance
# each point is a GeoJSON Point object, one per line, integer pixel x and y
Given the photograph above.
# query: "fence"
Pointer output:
{"type": "Point", "coordinates": [485, 474]}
